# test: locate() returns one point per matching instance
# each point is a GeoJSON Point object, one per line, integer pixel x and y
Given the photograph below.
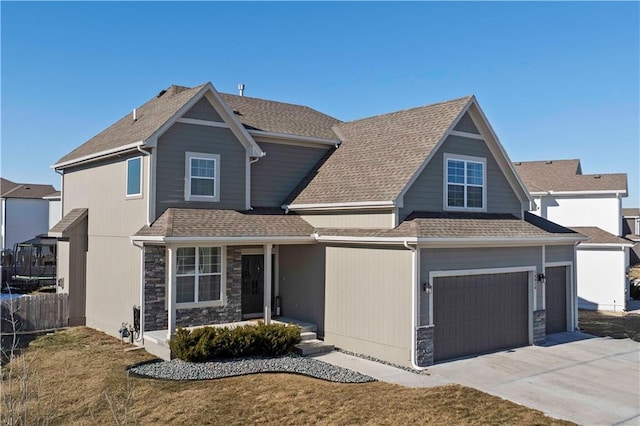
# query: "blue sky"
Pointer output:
{"type": "Point", "coordinates": [556, 80]}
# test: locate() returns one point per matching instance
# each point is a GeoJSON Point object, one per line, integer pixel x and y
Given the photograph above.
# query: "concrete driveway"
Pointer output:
{"type": "Point", "coordinates": [575, 376]}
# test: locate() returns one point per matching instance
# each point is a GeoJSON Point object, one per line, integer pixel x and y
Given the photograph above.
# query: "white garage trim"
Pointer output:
{"type": "Point", "coordinates": [463, 272]}
{"type": "Point", "coordinates": [571, 294]}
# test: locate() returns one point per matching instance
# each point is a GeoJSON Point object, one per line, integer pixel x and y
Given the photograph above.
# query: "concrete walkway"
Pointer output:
{"type": "Point", "coordinates": [575, 376]}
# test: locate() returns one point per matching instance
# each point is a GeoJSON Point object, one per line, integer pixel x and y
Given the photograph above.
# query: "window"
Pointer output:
{"type": "Point", "coordinates": [134, 177]}
{"type": "Point", "coordinates": [199, 274]}
{"type": "Point", "coordinates": [202, 177]}
{"type": "Point", "coordinates": [465, 183]}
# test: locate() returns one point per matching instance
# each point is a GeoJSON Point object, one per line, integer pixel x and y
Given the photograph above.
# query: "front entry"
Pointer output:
{"type": "Point", "coordinates": [252, 285]}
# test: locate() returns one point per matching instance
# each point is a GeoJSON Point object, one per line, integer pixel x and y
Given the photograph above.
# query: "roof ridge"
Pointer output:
{"type": "Point", "coordinates": [468, 97]}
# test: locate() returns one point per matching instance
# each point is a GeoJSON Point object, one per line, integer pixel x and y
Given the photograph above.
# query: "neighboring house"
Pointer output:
{"type": "Point", "coordinates": [24, 213]}
{"type": "Point", "coordinates": [631, 231]}
{"type": "Point", "coordinates": [403, 236]}
{"type": "Point", "coordinates": [55, 207]}
{"type": "Point", "coordinates": [591, 205]}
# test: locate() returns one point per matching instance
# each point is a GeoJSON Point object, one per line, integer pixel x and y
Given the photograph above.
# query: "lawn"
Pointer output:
{"type": "Point", "coordinates": [78, 376]}
{"type": "Point", "coordinates": [613, 324]}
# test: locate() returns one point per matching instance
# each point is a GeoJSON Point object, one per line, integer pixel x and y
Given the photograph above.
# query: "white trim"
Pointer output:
{"type": "Point", "coordinates": [126, 190]}
{"type": "Point", "coordinates": [171, 292]}
{"type": "Point", "coordinates": [604, 245]}
{"type": "Point", "coordinates": [223, 284]}
{"type": "Point", "coordinates": [105, 153]}
{"type": "Point", "coordinates": [266, 280]}
{"type": "Point", "coordinates": [600, 192]}
{"type": "Point", "coordinates": [544, 286]}
{"type": "Point", "coordinates": [345, 206]}
{"type": "Point", "coordinates": [224, 240]}
{"type": "Point", "coordinates": [289, 139]}
{"type": "Point", "coordinates": [570, 294]}
{"type": "Point", "coordinates": [446, 157]}
{"type": "Point", "coordinates": [466, 135]}
{"type": "Point", "coordinates": [189, 156]}
{"type": "Point", "coordinates": [207, 123]}
{"type": "Point", "coordinates": [465, 272]}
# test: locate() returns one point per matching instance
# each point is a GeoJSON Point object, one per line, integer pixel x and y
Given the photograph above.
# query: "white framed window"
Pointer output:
{"type": "Point", "coordinates": [199, 276]}
{"type": "Point", "coordinates": [202, 177]}
{"type": "Point", "coordinates": [465, 183]}
{"type": "Point", "coordinates": [134, 177]}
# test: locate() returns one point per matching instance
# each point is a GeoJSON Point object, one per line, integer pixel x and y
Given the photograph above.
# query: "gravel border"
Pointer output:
{"type": "Point", "coordinates": [181, 370]}
{"type": "Point", "coordinates": [390, 364]}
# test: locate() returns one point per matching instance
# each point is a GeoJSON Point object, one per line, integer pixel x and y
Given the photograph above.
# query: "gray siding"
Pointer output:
{"type": "Point", "coordinates": [301, 282]}
{"type": "Point", "coordinates": [170, 168]}
{"type": "Point", "coordinates": [275, 176]}
{"type": "Point", "coordinates": [474, 258]}
{"type": "Point", "coordinates": [426, 192]}
{"type": "Point", "coordinates": [559, 253]}
{"type": "Point", "coordinates": [203, 110]}
{"type": "Point", "coordinates": [466, 124]}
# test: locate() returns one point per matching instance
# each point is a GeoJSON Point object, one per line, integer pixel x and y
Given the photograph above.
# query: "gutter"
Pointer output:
{"type": "Point", "coordinates": [414, 304]}
{"type": "Point", "coordinates": [99, 155]}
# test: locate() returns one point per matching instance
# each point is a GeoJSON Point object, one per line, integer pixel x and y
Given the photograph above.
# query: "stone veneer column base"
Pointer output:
{"type": "Point", "coordinates": [539, 327]}
{"type": "Point", "coordinates": [424, 346]}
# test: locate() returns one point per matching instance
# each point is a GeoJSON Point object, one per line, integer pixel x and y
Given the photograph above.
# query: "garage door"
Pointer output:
{"type": "Point", "coordinates": [480, 313]}
{"type": "Point", "coordinates": [556, 299]}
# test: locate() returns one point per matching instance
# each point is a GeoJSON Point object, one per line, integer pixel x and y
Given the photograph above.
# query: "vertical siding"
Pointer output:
{"type": "Point", "coordinates": [474, 258]}
{"type": "Point", "coordinates": [203, 110]}
{"type": "Point", "coordinates": [301, 280]}
{"type": "Point", "coordinates": [426, 193]}
{"type": "Point", "coordinates": [466, 124]}
{"type": "Point", "coordinates": [275, 176]}
{"type": "Point", "coordinates": [170, 167]}
{"type": "Point", "coordinates": [351, 220]}
{"type": "Point", "coordinates": [368, 301]}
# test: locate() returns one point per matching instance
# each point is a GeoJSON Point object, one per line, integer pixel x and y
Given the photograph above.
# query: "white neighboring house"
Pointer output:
{"type": "Point", "coordinates": [592, 206]}
{"type": "Point", "coordinates": [55, 208]}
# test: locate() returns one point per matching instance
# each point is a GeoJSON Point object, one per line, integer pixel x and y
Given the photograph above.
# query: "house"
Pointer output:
{"type": "Point", "coordinates": [590, 205]}
{"type": "Point", "coordinates": [631, 231]}
{"type": "Point", "coordinates": [403, 236]}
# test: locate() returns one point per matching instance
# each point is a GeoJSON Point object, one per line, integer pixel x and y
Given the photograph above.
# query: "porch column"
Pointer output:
{"type": "Point", "coordinates": [268, 248]}
{"type": "Point", "coordinates": [171, 294]}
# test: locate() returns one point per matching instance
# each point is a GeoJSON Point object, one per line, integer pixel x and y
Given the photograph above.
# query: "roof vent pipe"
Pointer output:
{"type": "Point", "coordinates": [135, 115]}
{"type": "Point", "coordinates": [241, 89]}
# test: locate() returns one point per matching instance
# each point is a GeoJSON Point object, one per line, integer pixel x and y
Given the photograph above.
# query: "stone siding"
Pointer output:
{"type": "Point", "coordinates": [424, 346]}
{"type": "Point", "coordinates": [155, 312]}
{"type": "Point", "coordinates": [539, 327]}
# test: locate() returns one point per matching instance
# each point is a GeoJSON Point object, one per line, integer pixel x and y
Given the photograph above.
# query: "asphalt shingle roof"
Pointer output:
{"type": "Point", "coordinates": [226, 223]}
{"type": "Point", "coordinates": [68, 221]}
{"type": "Point", "coordinates": [378, 155]}
{"type": "Point", "coordinates": [599, 236]}
{"type": "Point", "coordinates": [280, 117]}
{"type": "Point", "coordinates": [9, 189]}
{"type": "Point", "coordinates": [566, 175]}
{"type": "Point", "coordinates": [631, 212]}
{"type": "Point", "coordinates": [464, 225]}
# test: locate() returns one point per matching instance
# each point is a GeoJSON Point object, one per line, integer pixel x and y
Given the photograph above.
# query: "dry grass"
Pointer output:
{"type": "Point", "coordinates": [618, 325]}
{"type": "Point", "coordinates": [634, 273]}
{"type": "Point", "coordinates": [83, 372]}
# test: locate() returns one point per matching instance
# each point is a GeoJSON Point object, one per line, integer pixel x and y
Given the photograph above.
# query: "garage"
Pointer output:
{"type": "Point", "coordinates": [556, 299]}
{"type": "Point", "coordinates": [474, 314]}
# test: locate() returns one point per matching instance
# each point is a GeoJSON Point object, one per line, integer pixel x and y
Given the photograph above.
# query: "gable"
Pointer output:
{"type": "Point", "coordinates": [203, 110]}
{"type": "Point", "coordinates": [466, 124]}
{"type": "Point", "coordinates": [427, 191]}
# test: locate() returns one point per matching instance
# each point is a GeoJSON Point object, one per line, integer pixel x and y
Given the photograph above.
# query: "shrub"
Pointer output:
{"type": "Point", "coordinates": [207, 343]}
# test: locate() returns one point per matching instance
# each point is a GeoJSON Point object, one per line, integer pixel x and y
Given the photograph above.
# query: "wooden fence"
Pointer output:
{"type": "Point", "coordinates": [34, 313]}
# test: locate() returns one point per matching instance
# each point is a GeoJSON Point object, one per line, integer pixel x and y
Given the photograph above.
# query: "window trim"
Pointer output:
{"type": "Point", "coordinates": [445, 187]}
{"type": "Point", "coordinates": [187, 172]}
{"type": "Point", "coordinates": [126, 181]}
{"type": "Point", "coordinates": [223, 279]}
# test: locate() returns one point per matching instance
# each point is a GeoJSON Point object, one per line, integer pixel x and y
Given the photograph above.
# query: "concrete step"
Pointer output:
{"type": "Point", "coordinates": [308, 335]}
{"type": "Point", "coordinates": [313, 347]}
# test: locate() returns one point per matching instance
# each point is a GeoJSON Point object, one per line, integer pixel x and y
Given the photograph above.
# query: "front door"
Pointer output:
{"type": "Point", "coordinates": [252, 284]}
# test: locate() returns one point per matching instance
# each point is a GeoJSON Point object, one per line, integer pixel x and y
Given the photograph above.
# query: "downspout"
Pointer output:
{"type": "Point", "coordinates": [574, 286]}
{"type": "Point", "coordinates": [141, 247]}
{"type": "Point", "coordinates": [147, 154]}
{"type": "Point", "coordinates": [414, 304]}
{"type": "Point", "coordinates": [61, 173]}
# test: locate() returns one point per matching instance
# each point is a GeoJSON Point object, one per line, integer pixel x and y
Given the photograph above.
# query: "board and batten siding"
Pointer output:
{"type": "Point", "coordinates": [170, 166]}
{"type": "Point", "coordinates": [559, 253]}
{"type": "Point", "coordinates": [351, 220]}
{"type": "Point", "coordinates": [301, 280]}
{"type": "Point", "coordinates": [203, 110]}
{"type": "Point", "coordinates": [474, 258]}
{"type": "Point", "coordinates": [277, 174]}
{"type": "Point", "coordinates": [112, 262]}
{"type": "Point", "coordinates": [426, 193]}
{"type": "Point", "coordinates": [466, 124]}
{"type": "Point", "coordinates": [368, 301]}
